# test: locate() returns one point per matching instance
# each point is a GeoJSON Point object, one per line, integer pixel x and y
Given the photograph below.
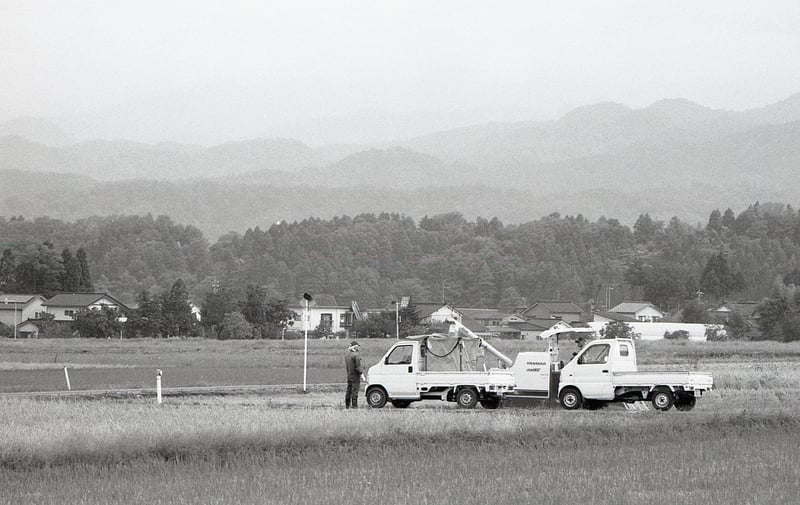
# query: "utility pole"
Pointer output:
{"type": "Point", "coordinates": [396, 318]}
{"type": "Point", "coordinates": [307, 298]}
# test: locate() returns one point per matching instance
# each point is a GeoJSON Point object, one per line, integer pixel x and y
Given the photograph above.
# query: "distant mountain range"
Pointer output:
{"type": "Point", "coordinates": [671, 158]}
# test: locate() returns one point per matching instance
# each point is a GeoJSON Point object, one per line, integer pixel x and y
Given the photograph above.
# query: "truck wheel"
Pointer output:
{"type": "Point", "coordinates": [467, 398]}
{"type": "Point", "coordinates": [686, 403]}
{"type": "Point", "coordinates": [376, 397]}
{"type": "Point", "coordinates": [570, 398]}
{"type": "Point", "coordinates": [491, 403]}
{"type": "Point", "coordinates": [662, 399]}
{"type": "Point", "coordinates": [400, 404]}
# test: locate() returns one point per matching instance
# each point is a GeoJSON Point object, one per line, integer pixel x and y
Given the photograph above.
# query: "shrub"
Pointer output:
{"type": "Point", "coordinates": [6, 331]}
{"type": "Point", "coordinates": [235, 326]}
{"type": "Point", "coordinates": [676, 335]}
{"type": "Point", "coordinates": [716, 333]}
{"type": "Point", "coordinates": [617, 329]}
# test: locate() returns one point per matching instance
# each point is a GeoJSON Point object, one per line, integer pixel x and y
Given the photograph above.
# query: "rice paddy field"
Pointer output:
{"type": "Point", "coordinates": [740, 445]}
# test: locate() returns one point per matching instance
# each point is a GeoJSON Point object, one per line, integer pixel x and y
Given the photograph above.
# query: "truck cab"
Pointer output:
{"type": "Point", "coordinates": [592, 368]}
{"type": "Point", "coordinates": [397, 371]}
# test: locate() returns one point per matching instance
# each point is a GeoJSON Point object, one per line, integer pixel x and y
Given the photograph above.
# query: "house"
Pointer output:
{"type": "Point", "coordinates": [487, 317]}
{"type": "Point", "coordinates": [476, 327]}
{"type": "Point", "coordinates": [16, 308]}
{"type": "Point", "coordinates": [600, 316]}
{"type": "Point", "coordinates": [532, 328]}
{"type": "Point", "coordinates": [564, 310]}
{"type": "Point", "coordinates": [65, 306]}
{"type": "Point", "coordinates": [28, 329]}
{"type": "Point", "coordinates": [505, 332]}
{"type": "Point", "coordinates": [323, 312]}
{"type": "Point", "coordinates": [747, 310]}
{"type": "Point", "coordinates": [641, 311]}
{"type": "Point", "coordinates": [437, 313]}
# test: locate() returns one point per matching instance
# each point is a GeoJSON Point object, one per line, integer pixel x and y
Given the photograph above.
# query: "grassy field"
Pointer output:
{"type": "Point", "coordinates": [738, 446]}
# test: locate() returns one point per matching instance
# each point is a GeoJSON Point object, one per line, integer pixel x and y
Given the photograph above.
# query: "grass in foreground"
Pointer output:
{"type": "Point", "coordinates": [423, 456]}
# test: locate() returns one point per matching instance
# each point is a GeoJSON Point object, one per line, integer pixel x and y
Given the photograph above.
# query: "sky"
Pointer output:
{"type": "Point", "coordinates": [283, 63]}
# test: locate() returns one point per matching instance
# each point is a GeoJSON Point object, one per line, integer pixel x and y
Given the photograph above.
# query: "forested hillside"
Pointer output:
{"type": "Point", "coordinates": [376, 258]}
{"type": "Point", "coordinates": [671, 158]}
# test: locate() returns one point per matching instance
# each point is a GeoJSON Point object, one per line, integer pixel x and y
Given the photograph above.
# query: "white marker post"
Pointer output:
{"type": "Point", "coordinates": [158, 387]}
{"type": "Point", "coordinates": [307, 298]}
{"type": "Point", "coordinates": [66, 376]}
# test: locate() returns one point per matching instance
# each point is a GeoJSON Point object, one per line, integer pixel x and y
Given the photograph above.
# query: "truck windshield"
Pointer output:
{"type": "Point", "coordinates": [595, 354]}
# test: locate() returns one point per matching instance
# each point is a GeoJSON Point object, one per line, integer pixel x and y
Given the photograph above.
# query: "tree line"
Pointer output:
{"type": "Point", "coordinates": [443, 258]}
{"type": "Point", "coordinates": [40, 269]}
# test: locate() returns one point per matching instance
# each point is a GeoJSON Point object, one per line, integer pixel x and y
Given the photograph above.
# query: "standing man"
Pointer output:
{"type": "Point", "coordinates": [352, 362]}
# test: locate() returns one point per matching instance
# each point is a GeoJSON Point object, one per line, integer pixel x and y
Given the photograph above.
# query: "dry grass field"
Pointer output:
{"type": "Point", "coordinates": [738, 446]}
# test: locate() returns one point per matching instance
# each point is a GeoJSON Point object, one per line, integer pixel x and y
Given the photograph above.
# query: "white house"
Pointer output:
{"type": "Point", "coordinates": [335, 317]}
{"type": "Point", "coordinates": [437, 313]}
{"type": "Point", "coordinates": [15, 309]}
{"type": "Point", "coordinates": [64, 306]}
{"type": "Point", "coordinates": [641, 311]}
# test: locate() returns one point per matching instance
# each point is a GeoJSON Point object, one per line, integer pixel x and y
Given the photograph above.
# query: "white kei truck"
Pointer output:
{"type": "Point", "coordinates": [604, 370]}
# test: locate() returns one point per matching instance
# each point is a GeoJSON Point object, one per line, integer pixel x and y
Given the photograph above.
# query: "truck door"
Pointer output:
{"type": "Point", "coordinates": [400, 372]}
{"type": "Point", "coordinates": [592, 372]}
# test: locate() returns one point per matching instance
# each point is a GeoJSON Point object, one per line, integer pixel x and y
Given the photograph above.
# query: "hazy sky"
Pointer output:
{"type": "Point", "coordinates": [305, 59]}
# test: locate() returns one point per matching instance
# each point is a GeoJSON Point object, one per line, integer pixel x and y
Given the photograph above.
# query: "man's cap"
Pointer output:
{"type": "Point", "coordinates": [353, 343]}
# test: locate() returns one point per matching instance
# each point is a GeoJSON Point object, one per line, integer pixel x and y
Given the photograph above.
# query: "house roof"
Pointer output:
{"type": "Point", "coordinates": [546, 323]}
{"type": "Point", "coordinates": [504, 329]}
{"type": "Point", "coordinates": [631, 307]}
{"type": "Point", "coordinates": [616, 316]}
{"type": "Point", "coordinates": [425, 309]}
{"type": "Point", "coordinates": [9, 300]}
{"type": "Point", "coordinates": [559, 306]}
{"type": "Point", "coordinates": [743, 308]}
{"type": "Point", "coordinates": [527, 325]}
{"type": "Point", "coordinates": [79, 300]}
{"type": "Point", "coordinates": [481, 314]}
{"type": "Point", "coordinates": [473, 325]}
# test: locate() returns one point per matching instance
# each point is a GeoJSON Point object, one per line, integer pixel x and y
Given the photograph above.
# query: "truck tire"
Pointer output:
{"type": "Point", "coordinates": [685, 403]}
{"type": "Point", "coordinates": [570, 398]}
{"type": "Point", "coordinates": [467, 398]}
{"type": "Point", "coordinates": [662, 399]}
{"type": "Point", "coordinates": [401, 404]}
{"type": "Point", "coordinates": [376, 397]}
{"type": "Point", "coordinates": [491, 403]}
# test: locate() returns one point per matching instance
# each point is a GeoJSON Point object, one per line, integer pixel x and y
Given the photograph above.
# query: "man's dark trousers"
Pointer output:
{"type": "Point", "coordinates": [351, 396]}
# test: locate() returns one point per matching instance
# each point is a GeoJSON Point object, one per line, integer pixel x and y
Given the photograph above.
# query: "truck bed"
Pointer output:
{"type": "Point", "coordinates": [454, 378]}
{"type": "Point", "coordinates": [666, 378]}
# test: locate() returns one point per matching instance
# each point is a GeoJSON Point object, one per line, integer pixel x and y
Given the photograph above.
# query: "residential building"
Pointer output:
{"type": "Point", "coordinates": [600, 316]}
{"type": "Point", "coordinates": [531, 329]}
{"type": "Point", "coordinates": [554, 309]}
{"type": "Point", "coordinates": [487, 317]}
{"type": "Point", "coordinates": [15, 309]}
{"type": "Point", "coordinates": [505, 332]}
{"type": "Point", "coordinates": [747, 310]}
{"type": "Point", "coordinates": [641, 311]}
{"type": "Point", "coordinates": [65, 306]}
{"type": "Point", "coordinates": [437, 313]}
{"type": "Point", "coordinates": [323, 312]}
